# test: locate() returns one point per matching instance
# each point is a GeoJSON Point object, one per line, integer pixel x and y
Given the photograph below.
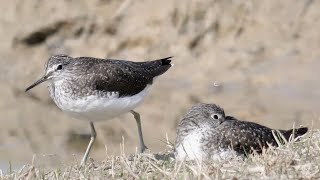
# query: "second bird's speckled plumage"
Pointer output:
{"type": "Point", "coordinates": [217, 133]}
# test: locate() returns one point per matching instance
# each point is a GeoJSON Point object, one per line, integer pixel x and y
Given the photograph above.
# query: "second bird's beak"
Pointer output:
{"type": "Point", "coordinates": [41, 80]}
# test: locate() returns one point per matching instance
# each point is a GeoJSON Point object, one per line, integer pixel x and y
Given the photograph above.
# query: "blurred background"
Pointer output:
{"type": "Point", "coordinates": [259, 60]}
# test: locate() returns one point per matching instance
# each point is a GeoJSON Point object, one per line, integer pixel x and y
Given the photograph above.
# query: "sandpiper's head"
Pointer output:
{"type": "Point", "coordinates": [206, 112]}
{"type": "Point", "coordinates": [53, 69]}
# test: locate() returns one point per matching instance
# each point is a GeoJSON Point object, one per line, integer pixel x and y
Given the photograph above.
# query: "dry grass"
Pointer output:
{"type": "Point", "coordinates": [295, 160]}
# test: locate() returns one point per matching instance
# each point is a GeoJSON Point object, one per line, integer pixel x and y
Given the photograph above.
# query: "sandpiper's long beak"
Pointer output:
{"type": "Point", "coordinates": [41, 80]}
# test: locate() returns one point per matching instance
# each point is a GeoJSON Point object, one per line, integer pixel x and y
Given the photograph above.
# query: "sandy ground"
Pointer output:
{"type": "Point", "coordinates": [259, 60]}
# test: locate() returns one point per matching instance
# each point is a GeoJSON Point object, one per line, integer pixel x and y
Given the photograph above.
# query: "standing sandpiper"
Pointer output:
{"type": "Point", "coordinates": [100, 89]}
{"type": "Point", "coordinates": [206, 133]}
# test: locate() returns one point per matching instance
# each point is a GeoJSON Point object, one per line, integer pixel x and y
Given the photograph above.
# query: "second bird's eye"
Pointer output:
{"type": "Point", "coordinates": [215, 116]}
{"type": "Point", "coordinates": [59, 67]}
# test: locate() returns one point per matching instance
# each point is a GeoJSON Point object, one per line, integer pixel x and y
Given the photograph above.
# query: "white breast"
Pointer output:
{"type": "Point", "coordinates": [190, 148]}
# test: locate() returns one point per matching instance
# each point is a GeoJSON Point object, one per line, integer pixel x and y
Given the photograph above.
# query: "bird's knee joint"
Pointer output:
{"type": "Point", "coordinates": [93, 135]}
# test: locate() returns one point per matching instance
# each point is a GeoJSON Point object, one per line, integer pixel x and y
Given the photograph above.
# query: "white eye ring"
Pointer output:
{"type": "Point", "coordinates": [216, 116]}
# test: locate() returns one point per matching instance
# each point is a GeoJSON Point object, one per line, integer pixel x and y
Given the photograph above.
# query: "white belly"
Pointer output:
{"type": "Point", "coordinates": [224, 155]}
{"type": "Point", "coordinates": [95, 108]}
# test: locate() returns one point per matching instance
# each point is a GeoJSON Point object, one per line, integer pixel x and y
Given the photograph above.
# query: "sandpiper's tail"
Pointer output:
{"type": "Point", "coordinates": [165, 61]}
{"type": "Point", "coordinates": [157, 67]}
{"type": "Point", "coordinates": [297, 132]}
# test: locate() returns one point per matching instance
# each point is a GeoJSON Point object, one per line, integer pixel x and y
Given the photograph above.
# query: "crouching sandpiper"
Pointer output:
{"type": "Point", "coordinates": [205, 132]}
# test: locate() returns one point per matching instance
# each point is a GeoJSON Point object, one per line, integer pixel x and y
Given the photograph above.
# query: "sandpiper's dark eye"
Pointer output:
{"type": "Point", "coordinates": [215, 116]}
{"type": "Point", "coordinates": [59, 67]}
